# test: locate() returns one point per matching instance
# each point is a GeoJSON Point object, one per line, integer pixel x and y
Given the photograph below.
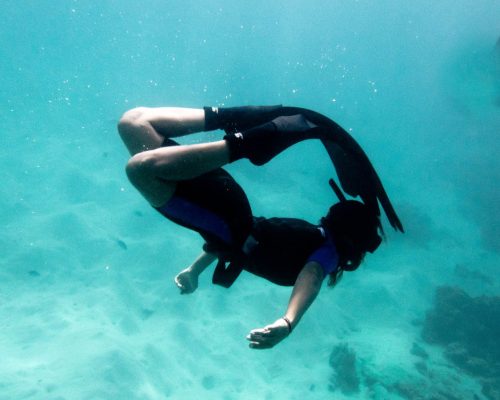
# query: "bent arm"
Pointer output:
{"type": "Point", "coordinates": [187, 279]}
{"type": "Point", "coordinates": [305, 291]}
{"type": "Point", "coordinates": [202, 262]}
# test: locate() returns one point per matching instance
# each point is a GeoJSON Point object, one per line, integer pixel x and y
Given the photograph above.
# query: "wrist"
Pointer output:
{"type": "Point", "coordinates": [193, 270]}
{"type": "Point", "coordinates": [288, 323]}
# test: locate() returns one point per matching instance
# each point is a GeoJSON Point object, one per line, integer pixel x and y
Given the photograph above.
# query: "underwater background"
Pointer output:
{"type": "Point", "coordinates": [88, 308]}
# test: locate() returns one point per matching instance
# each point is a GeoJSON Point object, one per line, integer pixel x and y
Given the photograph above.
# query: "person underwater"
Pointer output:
{"type": "Point", "coordinates": [187, 185]}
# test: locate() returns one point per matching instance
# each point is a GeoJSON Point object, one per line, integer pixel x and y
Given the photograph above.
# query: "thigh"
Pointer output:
{"type": "Point", "coordinates": [144, 128]}
{"type": "Point", "coordinates": [156, 191]}
{"type": "Point", "coordinates": [175, 121]}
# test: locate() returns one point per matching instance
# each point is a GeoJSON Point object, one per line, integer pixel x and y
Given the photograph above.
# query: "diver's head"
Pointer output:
{"type": "Point", "coordinates": [355, 231]}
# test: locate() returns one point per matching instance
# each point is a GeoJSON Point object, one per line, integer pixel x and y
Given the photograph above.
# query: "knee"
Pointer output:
{"type": "Point", "coordinates": [140, 168]}
{"type": "Point", "coordinates": [131, 120]}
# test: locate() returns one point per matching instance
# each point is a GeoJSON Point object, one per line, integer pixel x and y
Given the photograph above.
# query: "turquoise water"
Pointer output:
{"type": "Point", "coordinates": [88, 307]}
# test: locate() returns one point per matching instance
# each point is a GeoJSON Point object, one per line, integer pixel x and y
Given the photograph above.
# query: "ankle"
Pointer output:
{"type": "Point", "coordinates": [235, 146]}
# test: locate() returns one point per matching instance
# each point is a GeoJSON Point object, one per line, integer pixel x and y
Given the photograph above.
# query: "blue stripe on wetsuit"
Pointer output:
{"type": "Point", "coordinates": [326, 256]}
{"type": "Point", "coordinates": [199, 218]}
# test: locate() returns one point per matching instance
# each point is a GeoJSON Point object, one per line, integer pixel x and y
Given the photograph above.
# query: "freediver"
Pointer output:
{"type": "Point", "coordinates": [186, 184]}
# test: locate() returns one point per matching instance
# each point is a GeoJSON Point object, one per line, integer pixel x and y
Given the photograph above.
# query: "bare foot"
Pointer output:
{"type": "Point", "coordinates": [186, 281]}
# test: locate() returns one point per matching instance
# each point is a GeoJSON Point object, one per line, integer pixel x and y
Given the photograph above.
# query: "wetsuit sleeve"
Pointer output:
{"type": "Point", "coordinates": [326, 256]}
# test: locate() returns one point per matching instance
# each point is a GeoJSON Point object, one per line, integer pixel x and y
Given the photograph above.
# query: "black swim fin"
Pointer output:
{"type": "Point", "coordinates": [265, 131]}
{"type": "Point", "coordinates": [262, 143]}
{"type": "Point", "coordinates": [356, 173]}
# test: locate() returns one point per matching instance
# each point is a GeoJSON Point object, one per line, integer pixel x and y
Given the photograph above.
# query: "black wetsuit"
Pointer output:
{"type": "Point", "coordinates": [215, 206]}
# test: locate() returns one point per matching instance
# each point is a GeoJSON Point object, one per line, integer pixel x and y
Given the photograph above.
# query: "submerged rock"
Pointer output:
{"type": "Point", "coordinates": [468, 328]}
{"type": "Point", "coordinates": [344, 377]}
{"type": "Point", "coordinates": [122, 244]}
{"type": "Point", "coordinates": [418, 351]}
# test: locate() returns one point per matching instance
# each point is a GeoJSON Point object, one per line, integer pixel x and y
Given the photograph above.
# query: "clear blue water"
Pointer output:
{"type": "Point", "coordinates": [88, 308]}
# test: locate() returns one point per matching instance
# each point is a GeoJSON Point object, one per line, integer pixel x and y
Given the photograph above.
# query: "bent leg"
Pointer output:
{"type": "Point", "coordinates": [145, 128]}
{"type": "Point", "coordinates": [155, 172]}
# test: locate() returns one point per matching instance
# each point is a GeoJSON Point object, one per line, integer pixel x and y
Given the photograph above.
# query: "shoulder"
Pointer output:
{"type": "Point", "coordinates": [325, 254]}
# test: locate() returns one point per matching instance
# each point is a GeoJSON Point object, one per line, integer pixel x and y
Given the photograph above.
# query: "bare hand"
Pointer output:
{"type": "Point", "coordinates": [186, 281]}
{"type": "Point", "coordinates": [269, 336]}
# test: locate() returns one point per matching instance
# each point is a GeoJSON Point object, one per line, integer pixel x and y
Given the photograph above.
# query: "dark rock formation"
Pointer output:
{"type": "Point", "coordinates": [469, 329]}
{"type": "Point", "coordinates": [345, 376]}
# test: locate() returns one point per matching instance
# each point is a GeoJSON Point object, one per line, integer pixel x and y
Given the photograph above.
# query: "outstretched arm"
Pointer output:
{"type": "Point", "coordinates": [304, 292]}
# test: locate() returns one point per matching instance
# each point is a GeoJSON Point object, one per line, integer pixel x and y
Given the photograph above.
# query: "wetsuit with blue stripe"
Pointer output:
{"type": "Point", "coordinates": [214, 205]}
